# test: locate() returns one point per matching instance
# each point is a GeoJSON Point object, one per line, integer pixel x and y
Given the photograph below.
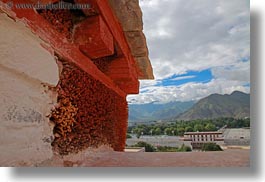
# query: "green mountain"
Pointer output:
{"type": "Point", "coordinates": [235, 105]}
{"type": "Point", "coordinates": [156, 111]}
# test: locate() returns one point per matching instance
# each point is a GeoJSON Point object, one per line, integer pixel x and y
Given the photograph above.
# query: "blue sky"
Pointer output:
{"type": "Point", "coordinates": [203, 76]}
{"type": "Point", "coordinates": [196, 48]}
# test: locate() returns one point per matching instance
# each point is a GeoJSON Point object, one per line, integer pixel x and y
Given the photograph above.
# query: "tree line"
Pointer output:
{"type": "Point", "coordinates": [178, 128]}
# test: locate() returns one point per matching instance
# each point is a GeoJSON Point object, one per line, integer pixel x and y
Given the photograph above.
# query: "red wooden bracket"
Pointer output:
{"type": "Point", "coordinates": [118, 71]}
{"type": "Point", "coordinates": [94, 38]}
{"type": "Point", "coordinates": [117, 32]}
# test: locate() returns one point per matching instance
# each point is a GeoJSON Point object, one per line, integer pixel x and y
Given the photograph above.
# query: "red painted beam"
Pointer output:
{"type": "Point", "coordinates": [118, 34]}
{"type": "Point", "coordinates": [118, 71]}
{"type": "Point", "coordinates": [129, 86]}
{"type": "Point", "coordinates": [120, 68]}
{"type": "Point", "coordinates": [94, 38]}
{"type": "Point", "coordinates": [58, 42]}
{"type": "Point", "coordinates": [123, 71]}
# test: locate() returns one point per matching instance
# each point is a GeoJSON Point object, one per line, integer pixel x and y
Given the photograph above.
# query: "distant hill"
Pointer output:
{"type": "Point", "coordinates": [236, 105]}
{"type": "Point", "coordinates": [156, 111]}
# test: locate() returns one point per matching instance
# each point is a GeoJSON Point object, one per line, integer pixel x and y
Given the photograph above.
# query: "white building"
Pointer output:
{"type": "Point", "coordinates": [197, 139]}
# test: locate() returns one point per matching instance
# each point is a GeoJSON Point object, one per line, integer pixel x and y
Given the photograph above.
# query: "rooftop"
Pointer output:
{"type": "Point", "coordinates": [202, 133]}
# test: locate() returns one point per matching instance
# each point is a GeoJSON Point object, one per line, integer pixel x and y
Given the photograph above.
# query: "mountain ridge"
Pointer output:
{"type": "Point", "coordinates": [236, 104]}
{"type": "Point", "coordinates": [156, 111]}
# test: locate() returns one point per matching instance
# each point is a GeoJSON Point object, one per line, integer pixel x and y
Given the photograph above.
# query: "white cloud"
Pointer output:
{"type": "Point", "coordinates": [186, 92]}
{"type": "Point", "coordinates": [148, 83]}
{"type": "Point", "coordinates": [196, 35]}
{"type": "Point", "coordinates": [239, 72]}
{"type": "Point", "coordinates": [183, 77]}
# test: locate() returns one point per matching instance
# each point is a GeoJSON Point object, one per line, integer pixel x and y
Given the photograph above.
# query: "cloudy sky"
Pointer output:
{"type": "Point", "coordinates": [196, 47]}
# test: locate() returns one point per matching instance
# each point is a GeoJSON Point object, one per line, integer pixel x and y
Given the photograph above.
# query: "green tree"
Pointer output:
{"type": "Point", "coordinates": [168, 131]}
{"type": "Point", "coordinates": [198, 127]}
{"type": "Point", "coordinates": [184, 148]}
{"type": "Point", "coordinates": [148, 147]}
{"type": "Point", "coordinates": [211, 147]}
{"type": "Point", "coordinates": [138, 135]}
{"type": "Point", "coordinates": [210, 127]}
{"type": "Point", "coordinates": [135, 130]}
{"type": "Point", "coordinates": [247, 122]}
{"type": "Point", "coordinates": [188, 129]}
{"type": "Point", "coordinates": [175, 131]}
{"type": "Point", "coordinates": [128, 136]}
{"type": "Point", "coordinates": [166, 149]}
{"type": "Point", "coordinates": [180, 131]}
{"type": "Point", "coordinates": [157, 131]}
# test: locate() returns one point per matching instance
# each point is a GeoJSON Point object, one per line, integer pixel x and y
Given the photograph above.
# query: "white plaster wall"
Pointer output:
{"type": "Point", "coordinates": [25, 68]}
{"type": "Point", "coordinates": [21, 50]}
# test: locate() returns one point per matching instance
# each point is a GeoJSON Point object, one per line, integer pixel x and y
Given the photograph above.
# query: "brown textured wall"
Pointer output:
{"type": "Point", "coordinates": [88, 114]}
{"type": "Point", "coordinates": [61, 19]}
